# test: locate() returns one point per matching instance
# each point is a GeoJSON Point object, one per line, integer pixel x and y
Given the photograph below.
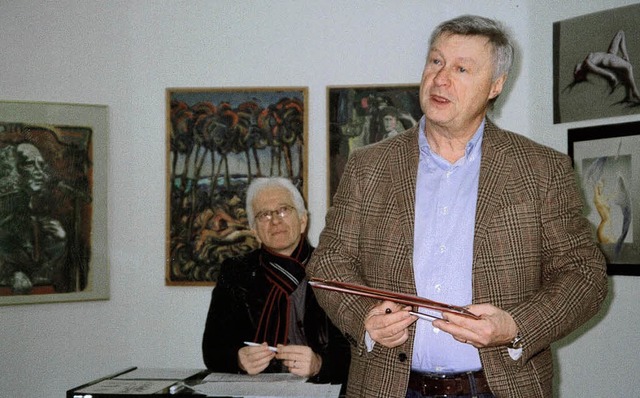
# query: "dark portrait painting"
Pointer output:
{"type": "Point", "coordinates": [362, 115]}
{"type": "Point", "coordinates": [46, 207]}
{"type": "Point", "coordinates": [596, 59]}
{"type": "Point", "coordinates": [218, 141]}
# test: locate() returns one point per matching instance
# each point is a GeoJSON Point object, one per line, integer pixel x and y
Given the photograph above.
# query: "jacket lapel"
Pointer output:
{"type": "Point", "coordinates": [495, 170]}
{"type": "Point", "coordinates": [404, 168]}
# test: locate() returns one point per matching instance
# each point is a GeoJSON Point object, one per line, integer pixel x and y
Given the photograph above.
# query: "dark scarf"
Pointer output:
{"type": "Point", "coordinates": [284, 275]}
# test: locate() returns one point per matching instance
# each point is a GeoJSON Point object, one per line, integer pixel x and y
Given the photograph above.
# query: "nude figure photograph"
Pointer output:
{"type": "Point", "coordinates": [594, 60]}
{"type": "Point", "coordinates": [606, 159]}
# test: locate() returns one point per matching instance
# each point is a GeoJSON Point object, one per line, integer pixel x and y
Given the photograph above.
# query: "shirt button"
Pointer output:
{"type": "Point", "coordinates": [442, 248]}
{"type": "Point", "coordinates": [437, 288]}
{"type": "Point", "coordinates": [445, 210]}
{"type": "Point", "coordinates": [402, 357]}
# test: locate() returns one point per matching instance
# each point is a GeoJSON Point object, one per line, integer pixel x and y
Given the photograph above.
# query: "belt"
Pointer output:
{"type": "Point", "coordinates": [448, 385]}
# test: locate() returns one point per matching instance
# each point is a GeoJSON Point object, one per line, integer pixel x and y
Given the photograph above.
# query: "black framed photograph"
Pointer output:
{"type": "Point", "coordinates": [607, 161]}
{"type": "Point", "coordinates": [362, 115]}
{"type": "Point", "coordinates": [218, 141]}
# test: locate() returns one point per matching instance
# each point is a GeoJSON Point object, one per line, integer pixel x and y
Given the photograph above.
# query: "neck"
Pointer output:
{"type": "Point", "coordinates": [448, 143]}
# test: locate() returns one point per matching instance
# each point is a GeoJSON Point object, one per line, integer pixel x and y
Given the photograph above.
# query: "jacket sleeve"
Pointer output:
{"type": "Point", "coordinates": [226, 327]}
{"type": "Point", "coordinates": [336, 357]}
{"type": "Point", "coordinates": [540, 247]}
{"type": "Point", "coordinates": [574, 280]}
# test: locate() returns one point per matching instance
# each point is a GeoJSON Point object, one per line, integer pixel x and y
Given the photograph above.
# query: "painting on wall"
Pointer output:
{"type": "Point", "coordinates": [593, 60]}
{"type": "Point", "coordinates": [53, 200]}
{"type": "Point", "coordinates": [607, 161]}
{"type": "Point", "coordinates": [362, 115]}
{"type": "Point", "coordinates": [218, 141]}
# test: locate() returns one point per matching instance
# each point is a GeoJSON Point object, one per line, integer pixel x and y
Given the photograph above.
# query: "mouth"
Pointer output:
{"type": "Point", "coordinates": [439, 99]}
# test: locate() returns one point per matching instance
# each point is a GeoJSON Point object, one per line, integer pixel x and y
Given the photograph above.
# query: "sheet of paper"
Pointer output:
{"type": "Point", "coordinates": [259, 378]}
{"type": "Point", "coordinates": [158, 374]}
{"type": "Point", "coordinates": [278, 389]}
{"type": "Point", "coordinates": [126, 387]}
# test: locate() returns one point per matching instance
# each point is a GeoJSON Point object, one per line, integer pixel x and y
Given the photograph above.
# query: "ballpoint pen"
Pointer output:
{"type": "Point", "coordinates": [425, 317]}
{"type": "Point", "coordinates": [252, 344]}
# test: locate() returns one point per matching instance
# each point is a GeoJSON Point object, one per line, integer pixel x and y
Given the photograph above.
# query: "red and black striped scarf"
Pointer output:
{"type": "Point", "coordinates": [284, 275]}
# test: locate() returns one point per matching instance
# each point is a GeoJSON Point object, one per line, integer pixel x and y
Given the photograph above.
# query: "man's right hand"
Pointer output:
{"type": "Point", "coordinates": [254, 360]}
{"type": "Point", "coordinates": [387, 323]}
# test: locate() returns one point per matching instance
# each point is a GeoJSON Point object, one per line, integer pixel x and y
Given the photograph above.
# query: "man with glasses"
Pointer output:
{"type": "Point", "coordinates": [263, 315]}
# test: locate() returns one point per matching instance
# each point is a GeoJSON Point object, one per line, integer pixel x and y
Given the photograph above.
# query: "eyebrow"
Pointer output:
{"type": "Point", "coordinates": [464, 60]}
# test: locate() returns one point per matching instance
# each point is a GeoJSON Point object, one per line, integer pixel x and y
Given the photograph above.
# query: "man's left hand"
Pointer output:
{"type": "Point", "coordinates": [300, 359]}
{"type": "Point", "coordinates": [494, 328]}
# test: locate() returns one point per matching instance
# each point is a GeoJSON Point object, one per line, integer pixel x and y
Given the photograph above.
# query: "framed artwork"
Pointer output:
{"type": "Point", "coordinates": [594, 57]}
{"type": "Point", "coordinates": [218, 140]}
{"type": "Point", "coordinates": [53, 200]}
{"type": "Point", "coordinates": [362, 115]}
{"type": "Point", "coordinates": [607, 161]}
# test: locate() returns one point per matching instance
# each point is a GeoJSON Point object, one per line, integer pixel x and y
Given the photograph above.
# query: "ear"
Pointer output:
{"type": "Point", "coordinates": [496, 86]}
{"type": "Point", "coordinates": [303, 222]}
{"type": "Point", "coordinates": [255, 234]}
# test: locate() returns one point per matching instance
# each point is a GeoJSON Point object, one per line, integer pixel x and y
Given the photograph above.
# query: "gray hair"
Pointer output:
{"type": "Point", "coordinates": [260, 184]}
{"type": "Point", "coordinates": [473, 25]}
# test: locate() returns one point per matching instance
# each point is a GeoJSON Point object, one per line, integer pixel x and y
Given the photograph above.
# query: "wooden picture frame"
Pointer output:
{"type": "Point", "coordinates": [607, 159]}
{"type": "Point", "coordinates": [356, 118]}
{"type": "Point", "coordinates": [218, 140]}
{"type": "Point", "coordinates": [53, 183]}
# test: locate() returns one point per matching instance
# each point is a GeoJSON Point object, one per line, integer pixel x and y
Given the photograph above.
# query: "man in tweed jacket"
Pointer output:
{"type": "Point", "coordinates": [534, 273]}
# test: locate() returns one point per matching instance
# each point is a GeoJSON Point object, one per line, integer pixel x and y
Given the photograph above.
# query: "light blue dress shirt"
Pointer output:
{"type": "Point", "coordinates": [446, 196]}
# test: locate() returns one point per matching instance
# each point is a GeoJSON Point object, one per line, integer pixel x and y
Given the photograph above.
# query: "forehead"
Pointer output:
{"type": "Point", "coordinates": [272, 197]}
{"type": "Point", "coordinates": [29, 151]}
{"type": "Point", "coordinates": [463, 46]}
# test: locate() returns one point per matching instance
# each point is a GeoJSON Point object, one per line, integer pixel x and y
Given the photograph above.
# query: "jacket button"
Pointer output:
{"type": "Point", "coordinates": [402, 357]}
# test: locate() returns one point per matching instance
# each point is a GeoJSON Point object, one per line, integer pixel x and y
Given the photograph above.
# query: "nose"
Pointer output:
{"type": "Point", "coordinates": [275, 218]}
{"type": "Point", "coordinates": [442, 77]}
{"type": "Point", "coordinates": [38, 167]}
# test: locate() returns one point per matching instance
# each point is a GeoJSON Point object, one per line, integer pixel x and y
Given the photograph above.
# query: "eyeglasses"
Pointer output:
{"type": "Point", "coordinates": [281, 212]}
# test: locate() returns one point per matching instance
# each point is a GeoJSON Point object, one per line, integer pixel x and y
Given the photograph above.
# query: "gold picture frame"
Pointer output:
{"type": "Point", "coordinates": [218, 140]}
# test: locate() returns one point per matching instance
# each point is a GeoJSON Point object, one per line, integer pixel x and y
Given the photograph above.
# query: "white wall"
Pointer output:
{"type": "Point", "coordinates": [125, 54]}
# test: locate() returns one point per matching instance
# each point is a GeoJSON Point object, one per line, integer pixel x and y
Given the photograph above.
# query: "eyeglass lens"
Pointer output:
{"type": "Point", "coordinates": [268, 215]}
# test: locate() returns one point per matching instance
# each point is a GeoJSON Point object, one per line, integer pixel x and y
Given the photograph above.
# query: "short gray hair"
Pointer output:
{"type": "Point", "coordinates": [260, 184]}
{"type": "Point", "coordinates": [473, 25]}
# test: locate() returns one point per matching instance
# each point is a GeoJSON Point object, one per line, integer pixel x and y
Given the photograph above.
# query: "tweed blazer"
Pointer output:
{"type": "Point", "coordinates": [533, 256]}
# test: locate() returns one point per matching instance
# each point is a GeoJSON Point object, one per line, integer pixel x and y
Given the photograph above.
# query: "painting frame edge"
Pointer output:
{"type": "Point", "coordinates": [96, 117]}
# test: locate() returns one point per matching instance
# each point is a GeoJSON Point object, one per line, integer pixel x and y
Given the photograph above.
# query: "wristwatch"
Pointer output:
{"type": "Point", "coordinates": [516, 343]}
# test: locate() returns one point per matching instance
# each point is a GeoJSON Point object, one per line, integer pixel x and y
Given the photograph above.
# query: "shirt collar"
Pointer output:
{"type": "Point", "coordinates": [472, 149]}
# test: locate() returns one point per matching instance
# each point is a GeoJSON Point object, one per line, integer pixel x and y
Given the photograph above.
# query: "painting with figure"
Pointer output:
{"type": "Point", "coordinates": [594, 59]}
{"type": "Point", "coordinates": [48, 235]}
{"type": "Point", "coordinates": [607, 160]}
{"type": "Point", "coordinates": [362, 115]}
{"type": "Point", "coordinates": [218, 140]}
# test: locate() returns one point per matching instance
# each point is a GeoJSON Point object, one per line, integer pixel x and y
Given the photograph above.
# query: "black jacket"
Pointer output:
{"type": "Point", "coordinates": [234, 313]}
